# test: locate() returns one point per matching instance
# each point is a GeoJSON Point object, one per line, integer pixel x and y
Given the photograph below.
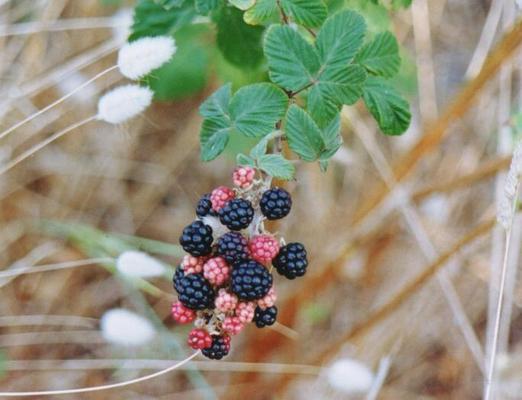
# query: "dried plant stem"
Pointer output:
{"type": "Point", "coordinates": [397, 300]}
{"type": "Point", "coordinates": [438, 130]}
{"type": "Point", "coordinates": [57, 102]}
{"type": "Point", "coordinates": [103, 387]}
{"type": "Point", "coordinates": [44, 143]}
{"type": "Point", "coordinates": [53, 267]}
{"type": "Point", "coordinates": [419, 233]}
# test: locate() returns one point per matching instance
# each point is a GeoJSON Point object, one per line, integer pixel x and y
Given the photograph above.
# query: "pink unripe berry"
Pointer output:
{"type": "Point", "coordinates": [263, 248]}
{"type": "Point", "coordinates": [243, 177]}
{"type": "Point", "coordinates": [182, 314]}
{"type": "Point", "coordinates": [199, 339]}
{"type": "Point", "coordinates": [216, 271]}
{"type": "Point", "coordinates": [221, 196]}
{"type": "Point", "coordinates": [225, 301]}
{"type": "Point", "coordinates": [269, 300]}
{"type": "Point", "coordinates": [232, 325]}
{"type": "Point", "coordinates": [192, 265]}
{"type": "Point", "coordinates": [245, 311]}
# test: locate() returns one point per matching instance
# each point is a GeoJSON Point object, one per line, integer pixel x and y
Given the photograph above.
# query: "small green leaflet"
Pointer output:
{"type": "Point", "coordinates": [152, 19]}
{"type": "Point", "coordinates": [309, 13]}
{"type": "Point", "coordinates": [240, 43]}
{"type": "Point", "coordinates": [307, 140]}
{"type": "Point", "coordinates": [380, 56]}
{"type": "Point", "coordinates": [253, 111]}
{"type": "Point", "coordinates": [277, 166]}
{"type": "Point", "coordinates": [296, 65]}
{"type": "Point", "coordinates": [242, 159]}
{"type": "Point", "coordinates": [168, 4]}
{"type": "Point", "coordinates": [390, 110]}
{"type": "Point", "coordinates": [203, 7]}
{"type": "Point", "coordinates": [242, 4]}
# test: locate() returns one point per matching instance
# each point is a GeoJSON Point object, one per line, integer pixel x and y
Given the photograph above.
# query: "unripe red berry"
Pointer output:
{"type": "Point", "coordinates": [192, 265]}
{"type": "Point", "coordinates": [199, 339]}
{"type": "Point", "coordinates": [245, 311]}
{"type": "Point", "coordinates": [243, 176]}
{"type": "Point", "coordinates": [182, 314]}
{"type": "Point", "coordinates": [232, 325]}
{"type": "Point", "coordinates": [263, 248]}
{"type": "Point", "coordinates": [225, 301]}
{"type": "Point", "coordinates": [216, 271]}
{"type": "Point", "coordinates": [221, 196]}
{"type": "Point", "coordinates": [269, 300]}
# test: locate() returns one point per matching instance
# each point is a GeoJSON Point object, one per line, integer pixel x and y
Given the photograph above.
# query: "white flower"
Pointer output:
{"type": "Point", "coordinates": [138, 264]}
{"type": "Point", "coordinates": [350, 376]}
{"type": "Point", "coordinates": [505, 205]}
{"type": "Point", "coordinates": [125, 328]}
{"type": "Point", "coordinates": [138, 58]}
{"type": "Point", "coordinates": [122, 24]}
{"type": "Point", "coordinates": [123, 103]}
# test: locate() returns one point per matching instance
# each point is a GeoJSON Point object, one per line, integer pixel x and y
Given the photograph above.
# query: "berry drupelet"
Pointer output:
{"type": "Point", "coordinates": [250, 280]}
{"type": "Point", "coordinates": [233, 247]}
{"type": "Point", "coordinates": [194, 291]}
{"type": "Point", "coordinates": [237, 214]}
{"type": "Point", "coordinates": [196, 239]}
{"type": "Point", "coordinates": [291, 261]}
{"type": "Point", "coordinates": [265, 317]}
{"type": "Point", "coordinates": [275, 203]}
{"type": "Point", "coordinates": [219, 349]}
{"type": "Point", "coordinates": [199, 339]}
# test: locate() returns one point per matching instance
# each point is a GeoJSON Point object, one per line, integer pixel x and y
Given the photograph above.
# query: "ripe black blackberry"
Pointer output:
{"type": "Point", "coordinates": [265, 317]}
{"type": "Point", "coordinates": [291, 260]}
{"type": "Point", "coordinates": [196, 239]}
{"type": "Point", "coordinates": [275, 203]}
{"type": "Point", "coordinates": [219, 349]}
{"type": "Point", "coordinates": [233, 247]}
{"type": "Point", "coordinates": [250, 280]}
{"type": "Point", "coordinates": [237, 214]}
{"type": "Point", "coordinates": [194, 291]}
{"type": "Point", "coordinates": [204, 207]}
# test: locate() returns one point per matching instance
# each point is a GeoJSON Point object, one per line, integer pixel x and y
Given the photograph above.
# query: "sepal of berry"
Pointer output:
{"type": "Point", "coordinates": [225, 301]}
{"type": "Point", "coordinates": [263, 248]}
{"type": "Point", "coordinates": [265, 317]}
{"type": "Point", "coordinates": [245, 311]}
{"type": "Point", "coordinates": [243, 177]}
{"type": "Point", "coordinates": [219, 349]}
{"type": "Point", "coordinates": [216, 271]}
{"type": "Point", "coordinates": [275, 203]}
{"type": "Point", "coordinates": [221, 196]}
{"type": "Point", "coordinates": [182, 314]}
{"type": "Point", "coordinates": [233, 246]}
{"type": "Point", "coordinates": [199, 339]}
{"type": "Point", "coordinates": [250, 280]}
{"type": "Point", "coordinates": [232, 325]}
{"type": "Point", "coordinates": [237, 214]}
{"type": "Point", "coordinates": [291, 261]}
{"type": "Point", "coordinates": [269, 300]}
{"type": "Point", "coordinates": [197, 239]}
{"type": "Point", "coordinates": [192, 265]}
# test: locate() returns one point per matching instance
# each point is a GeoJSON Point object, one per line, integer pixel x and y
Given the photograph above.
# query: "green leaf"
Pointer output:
{"type": "Point", "coordinates": [340, 38]}
{"type": "Point", "coordinates": [256, 108]}
{"type": "Point", "coordinates": [261, 12]}
{"type": "Point", "coordinates": [303, 134]}
{"type": "Point", "coordinates": [168, 4]}
{"type": "Point", "coordinates": [380, 56]}
{"type": "Point", "coordinates": [240, 43]}
{"type": "Point", "coordinates": [152, 19]}
{"type": "Point", "coordinates": [332, 138]}
{"type": "Point", "coordinates": [292, 62]}
{"type": "Point", "coordinates": [203, 7]}
{"type": "Point", "coordinates": [335, 87]}
{"type": "Point", "coordinates": [309, 13]}
{"type": "Point", "coordinates": [187, 72]}
{"type": "Point", "coordinates": [389, 109]}
{"type": "Point", "coordinates": [260, 148]}
{"type": "Point", "coordinates": [242, 4]}
{"type": "Point", "coordinates": [242, 159]}
{"type": "Point", "coordinates": [276, 166]}
{"type": "Point", "coordinates": [217, 125]}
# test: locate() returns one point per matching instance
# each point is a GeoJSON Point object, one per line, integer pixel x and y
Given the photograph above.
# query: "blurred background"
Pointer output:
{"type": "Point", "coordinates": [405, 254]}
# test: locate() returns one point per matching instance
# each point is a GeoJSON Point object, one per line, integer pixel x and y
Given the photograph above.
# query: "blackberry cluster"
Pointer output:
{"type": "Point", "coordinates": [226, 282]}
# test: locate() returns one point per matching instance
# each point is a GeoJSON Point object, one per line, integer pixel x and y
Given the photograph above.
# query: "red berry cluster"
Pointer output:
{"type": "Point", "coordinates": [232, 282]}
